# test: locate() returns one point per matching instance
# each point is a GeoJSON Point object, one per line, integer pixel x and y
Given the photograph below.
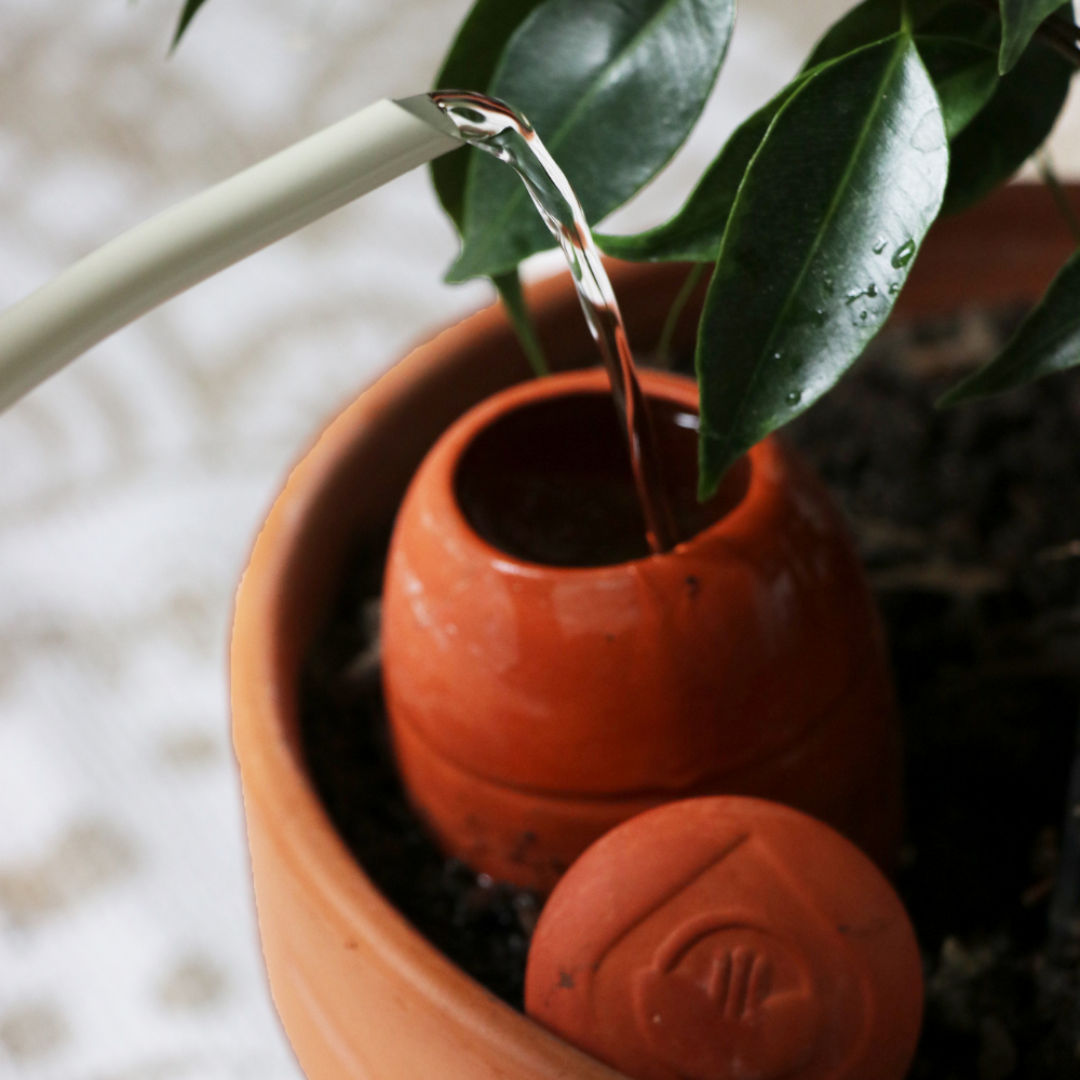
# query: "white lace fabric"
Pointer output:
{"type": "Point", "coordinates": [132, 484]}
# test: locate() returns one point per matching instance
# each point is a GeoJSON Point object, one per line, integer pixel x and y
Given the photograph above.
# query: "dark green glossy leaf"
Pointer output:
{"type": "Point", "coordinates": [870, 21]}
{"type": "Point", "coordinates": [964, 75]}
{"type": "Point", "coordinates": [822, 235]}
{"type": "Point", "coordinates": [993, 127]}
{"type": "Point", "coordinates": [695, 232]}
{"type": "Point", "coordinates": [1019, 21]}
{"type": "Point", "coordinates": [972, 20]}
{"type": "Point", "coordinates": [470, 65]}
{"type": "Point", "coordinates": [1048, 340]}
{"type": "Point", "coordinates": [1009, 129]}
{"type": "Point", "coordinates": [613, 87]}
{"type": "Point", "coordinates": [957, 43]}
{"type": "Point", "coordinates": [186, 15]}
{"type": "Point", "coordinates": [990, 146]}
{"type": "Point", "coordinates": [513, 298]}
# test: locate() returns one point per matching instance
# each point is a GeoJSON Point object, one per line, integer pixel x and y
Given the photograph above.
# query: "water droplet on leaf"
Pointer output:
{"type": "Point", "coordinates": [904, 254]}
{"type": "Point", "coordinates": [793, 397]}
{"type": "Point", "coordinates": [894, 288]}
{"type": "Point", "coordinates": [879, 247]}
{"type": "Point", "coordinates": [871, 289]}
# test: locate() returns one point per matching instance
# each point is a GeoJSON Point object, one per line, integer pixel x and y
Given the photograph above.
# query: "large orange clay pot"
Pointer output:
{"type": "Point", "coordinates": [361, 994]}
{"type": "Point", "coordinates": [534, 707]}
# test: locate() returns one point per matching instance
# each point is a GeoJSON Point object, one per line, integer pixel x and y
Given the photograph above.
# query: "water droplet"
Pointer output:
{"type": "Point", "coordinates": [871, 289]}
{"type": "Point", "coordinates": [852, 295]}
{"type": "Point", "coordinates": [879, 247]}
{"type": "Point", "coordinates": [793, 397]}
{"type": "Point", "coordinates": [894, 288]}
{"type": "Point", "coordinates": [776, 356]}
{"type": "Point", "coordinates": [904, 254]}
{"type": "Point", "coordinates": [862, 316]}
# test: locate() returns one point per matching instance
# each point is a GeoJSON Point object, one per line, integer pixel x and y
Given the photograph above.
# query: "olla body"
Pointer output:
{"type": "Point", "coordinates": [533, 707]}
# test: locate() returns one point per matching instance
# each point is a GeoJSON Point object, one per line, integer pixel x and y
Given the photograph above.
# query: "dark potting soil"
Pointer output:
{"type": "Point", "coordinates": [969, 525]}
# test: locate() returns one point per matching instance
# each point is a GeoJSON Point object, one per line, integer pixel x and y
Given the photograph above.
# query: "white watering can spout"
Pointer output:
{"type": "Point", "coordinates": [182, 246]}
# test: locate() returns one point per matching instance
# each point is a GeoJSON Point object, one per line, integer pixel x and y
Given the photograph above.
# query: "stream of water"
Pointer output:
{"type": "Point", "coordinates": [495, 128]}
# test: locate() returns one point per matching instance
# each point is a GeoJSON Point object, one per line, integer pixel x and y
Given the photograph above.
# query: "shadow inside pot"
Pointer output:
{"type": "Point", "coordinates": [550, 482]}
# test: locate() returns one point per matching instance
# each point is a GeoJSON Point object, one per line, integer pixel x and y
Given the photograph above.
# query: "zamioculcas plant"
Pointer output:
{"type": "Point", "coordinates": [811, 215]}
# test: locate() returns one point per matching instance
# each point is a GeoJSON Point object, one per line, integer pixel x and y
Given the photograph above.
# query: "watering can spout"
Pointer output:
{"type": "Point", "coordinates": [423, 107]}
{"type": "Point", "coordinates": [194, 240]}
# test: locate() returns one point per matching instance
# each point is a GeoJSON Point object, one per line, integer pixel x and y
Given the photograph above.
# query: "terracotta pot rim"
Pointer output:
{"type": "Point", "coordinates": [266, 717]}
{"type": "Point", "coordinates": [270, 758]}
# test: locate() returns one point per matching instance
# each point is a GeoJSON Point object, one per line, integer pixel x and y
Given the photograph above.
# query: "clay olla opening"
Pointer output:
{"type": "Point", "coordinates": [550, 482]}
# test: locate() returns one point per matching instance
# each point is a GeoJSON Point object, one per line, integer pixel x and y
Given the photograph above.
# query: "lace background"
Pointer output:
{"type": "Point", "coordinates": [131, 484]}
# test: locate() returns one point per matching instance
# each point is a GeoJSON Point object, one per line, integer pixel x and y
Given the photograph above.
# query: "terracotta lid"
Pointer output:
{"type": "Point", "coordinates": [726, 939]}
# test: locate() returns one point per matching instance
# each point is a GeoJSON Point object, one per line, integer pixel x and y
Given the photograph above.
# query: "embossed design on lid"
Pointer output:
{"type": "Point", "coordinates": [723, 1000]}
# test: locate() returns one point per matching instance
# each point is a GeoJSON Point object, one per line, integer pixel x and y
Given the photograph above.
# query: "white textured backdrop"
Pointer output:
{"type": "Point", "coordinates": [131, 484]}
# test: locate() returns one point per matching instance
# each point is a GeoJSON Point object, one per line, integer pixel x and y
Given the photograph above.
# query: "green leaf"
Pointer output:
{"type": "Point", "coordinates": [868, 22]}
{"type": "Point", "coordinates": [991, 145]}
{"type": "Point", "coordinates": [470, 65]}
{"type": "Point", "coordinates": [1009, 129]}
{"type": "Point", "coordinates": [1019, 21]}
{"type": "Point", "coordinates": [613, 87]}
{"type": "Point", "coordinates": [186, 15]}
{"type": "Point", "coordinates": [822, 235]}
{"type": "Point", "coordinates": [510, 292]}
{"type": "Point", "coordinates": [695, 232]}
{"type": "Point", "coordinates": [957, 43]}
{"type": "Point", "coordinates": [1048, 341]}
{"type": "Point", "coordinates": [964, 75]}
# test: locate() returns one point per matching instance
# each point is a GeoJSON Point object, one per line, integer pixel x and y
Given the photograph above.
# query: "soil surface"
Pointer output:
{"type": "Point", "coordinates": [969, 525]}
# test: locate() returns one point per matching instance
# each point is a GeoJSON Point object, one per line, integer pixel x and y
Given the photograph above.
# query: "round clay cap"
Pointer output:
{"type": "Point", "coordinates": [729, 938]}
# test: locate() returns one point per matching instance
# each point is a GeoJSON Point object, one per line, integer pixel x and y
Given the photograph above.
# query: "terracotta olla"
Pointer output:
{"type": "Point", "coordinates": [534, 706]}
{"type": "Point", "coordinates": [362, 995]}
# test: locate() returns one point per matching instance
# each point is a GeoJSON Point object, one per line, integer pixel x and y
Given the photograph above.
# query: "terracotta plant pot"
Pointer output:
{"type": "Point", "coordinates": [361, 994]}
{"type": "Point", "coordinates": [535, 706]}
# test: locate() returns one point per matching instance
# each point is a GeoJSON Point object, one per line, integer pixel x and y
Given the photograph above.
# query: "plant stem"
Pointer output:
{"type": "Point", "coordinates": [1050, 178]}
{"type": "Point", "coordinates": [509, 289]}
{"type": "Point", "coordinates": [667, 335]}
{"type": "Point", "coordinates": [1052, 32]}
